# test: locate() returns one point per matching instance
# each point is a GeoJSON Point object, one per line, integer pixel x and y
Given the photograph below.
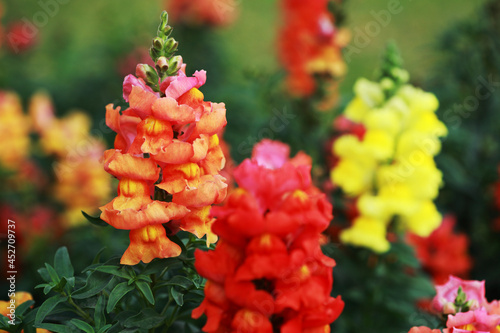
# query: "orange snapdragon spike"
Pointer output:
{"type": "Point", "coordinates": [267, 272]}
{"type": "Point", "coordinates": [167, 158]}
{"type": "Point", "coordinates": [310, 44]}
{"type": "Point", "coordinates": [203, 12]}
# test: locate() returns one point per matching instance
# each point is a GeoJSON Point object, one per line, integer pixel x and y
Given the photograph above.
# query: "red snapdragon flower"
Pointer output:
{"type": "Point", "coordinates": [444, 252]}
{"type": "Point", "coordinates": [167, 158]}
{"type": "Point", "coordinates": [203, 12]}
{"type": "Point", "coordinates": [310, 44]}
{"type": "Point", "coordinates": [267, 272]}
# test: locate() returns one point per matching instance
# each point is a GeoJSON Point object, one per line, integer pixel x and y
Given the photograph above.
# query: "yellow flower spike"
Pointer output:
{"type": "Point", "coordinates": [424, 220]}
{"type": "Point", "coordinates": [374, 207]}
{"type": "Point", "coordinates": [367, 232]}
{"type": "Point", "coordinates": [379, 144]}
{"type": "Point", "coordinates": [353, 177]}
{"type": "Point", "coordinates": [370, 92]}
{"type": "Point", "coordinates": [390, 169]}
{"type": "Point", "coordinates": [356, 110]}
{"type": "Point", "coordinates": [385, 119]}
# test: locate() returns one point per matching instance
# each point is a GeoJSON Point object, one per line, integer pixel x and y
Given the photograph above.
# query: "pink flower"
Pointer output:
{"type": "Point", "coordinates": [422, 329]}
{"type": "Point", "coordinates": [447, 293]}
{"type": "Point", "coordinates": [271, 154]}
{"type": "Point", "coordinates": [131, 81]}
{"type": "Point", "coordinates": [473, 321]}
{"type": "Point", "coordinates": [270, 173]}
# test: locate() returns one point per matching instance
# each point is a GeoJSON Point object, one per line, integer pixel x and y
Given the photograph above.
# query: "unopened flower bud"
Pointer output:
{"type": "Point", "coordinates": [387, 84]}
{"type": "Point", "coordinates": [449, 308]}
{"type": "Point", "coordinates": [147, 73]}
{"type": "Point", "coordinates": [175, 63]}
{"type": "Point", "coordinates": [158, 43]}
{"type": "Point", "coordinates": [471, 305]}
{"type": "Point", "coordinates": [163, 64]}
{"type": "Point", "coordinates": [171, 45]}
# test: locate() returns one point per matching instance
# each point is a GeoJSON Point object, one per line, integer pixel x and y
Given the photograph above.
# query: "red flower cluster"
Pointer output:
{"type": "Point", "coordinates": [209, 12]}
{"type": "Point", "coordinates": [310, 44]}
{"type": "Point", "coordinates": [167, 158]}
{"type": "Point", "coordinates": [444, 252]}
{"type": "Point", "coordinates": [267, 273]}
{"type": "Point", "coordinates": [496, 222]}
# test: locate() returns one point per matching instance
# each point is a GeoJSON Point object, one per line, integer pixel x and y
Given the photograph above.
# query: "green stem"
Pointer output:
{"type": "Point", "coordinates": [79, 310]}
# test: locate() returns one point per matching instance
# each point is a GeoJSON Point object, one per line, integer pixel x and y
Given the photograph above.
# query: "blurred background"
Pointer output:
{"type": "Point", "coordinates": [77, 53]}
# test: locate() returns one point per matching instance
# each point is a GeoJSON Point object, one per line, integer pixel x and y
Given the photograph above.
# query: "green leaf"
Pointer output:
{"type": "Point", "coordinates": [158, 265]}
{"type": "Point", "coordinates": [48, 306]}
{"type": "Point", "coordinates": [146, 319]}
{"type": "Point", "coordinates": [115, 270]}
{"type": "Point", "coordinates": [120, 290]}
{"type": "Point", "coordinates": [95, 220]}
{"type": "Point", "coordinates": [179, 281]}
{"type": "Point", "coordinates": [146, 291]}
{"type": "Point", "coordinates": [144, 278]}
{"type": "Point", "coordinates": [44, 274]}
{"type": "Point", "coordinates": [4, 322]}
{"type": "Point", "coordinates": [178, 241]}
{"type": "Point", "coordinates": [97, 257]}
{"type": "Point", "coordinates": [56, 328]}
{"type": "Point", "coordinates": [177, 296]}
{"type": "Point", "coordinates": [48, 288]}
{"type": "Point", "coordinates": [62, 263]}
{"type": "Point", "coordinates": [104, 328]}
{"type": "Point", "coordinates": [82, 325]}
{"type": "Point", "coordinates": [21, 309]}
{"type": "Point", "coordinates": [54, 277]}
{"type": "Point", "coordinates": [99, 316]}
{"type": "Point", "coordinates": [96, 282]}
{"type": "Point", "coordinates": [60, 286]}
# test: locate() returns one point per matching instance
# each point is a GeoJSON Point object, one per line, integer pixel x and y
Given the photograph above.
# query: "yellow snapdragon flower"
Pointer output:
{"type": "Point", "coordinates": [391, 170]}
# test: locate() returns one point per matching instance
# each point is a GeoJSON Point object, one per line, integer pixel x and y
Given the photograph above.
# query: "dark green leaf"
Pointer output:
{"type": "Point", "coordinates": [62, 263]}
{"type": "Point", "coordinates": [177, 296]}
{"type": "Point", "coordinates": [158, 265]}
{"type": "Point", "coordinates": [48, 288]}
{"type": "Point", "coordinates": [146, 319]}
{"type": "Point", "coordinates": [95, 220]}
{"type": "Point", "coordinates": [48, 306]}
{"type": "Point", "coordinates": [82, 325]}
{"type": "Point", "coordinates": [104, 328]}
{"type": "Point", "coordinates": [96, 282]}
{"type": "Point", "coordinates": [115, 270]}
{"type": "Point", "coordinates": [179, 281]}
{"type": "Point", "coordinates": [54, 277]}
{"type": "Point", "coordinates": [21, 309]}
{"type": "Point", "coordinates": [44, 274]}
{"type": "Point", "coordinates": [4, 322]}
{"type": "Point", "coordinates": [99, 316]}
{"type": "Point", "coordinates": [117, 294]}
{"type": "Point", "coordinates": [146, 291]}
{"type": "Point", "coordinates": [56, 328]}
{"type": "Point", "coordinates": [144, 278]}
{"type": "Point", "coordinates": [98, 256]}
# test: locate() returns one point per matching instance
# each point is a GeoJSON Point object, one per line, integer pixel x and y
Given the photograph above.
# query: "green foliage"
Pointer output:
{"type": "Point", "coordinates": [380, 291]}
{"type": "Point", "coordinates": [110, 297]}
{"type": "Point", "coordinates": [467, 82]}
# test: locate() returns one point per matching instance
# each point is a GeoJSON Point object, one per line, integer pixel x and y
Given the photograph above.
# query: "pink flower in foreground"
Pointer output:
{"type": "Point", "coordinates": [447, 293]}
{"type": "Point", "coordinates": [473, 321]}
{"type": "Point", "coordinates": [422, 329]}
